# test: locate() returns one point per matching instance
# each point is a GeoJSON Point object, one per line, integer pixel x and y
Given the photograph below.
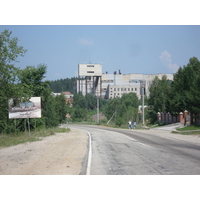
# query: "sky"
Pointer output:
{"type": "Point", "coordinates": [130, 48]}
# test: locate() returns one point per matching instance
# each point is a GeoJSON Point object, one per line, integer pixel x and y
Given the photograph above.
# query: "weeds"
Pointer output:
{"type": "Point", "coordinates": [7, 140]}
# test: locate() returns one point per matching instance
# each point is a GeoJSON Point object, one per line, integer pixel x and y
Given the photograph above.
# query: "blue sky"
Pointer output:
{"type": "Point", "coordinates": [132, 49]}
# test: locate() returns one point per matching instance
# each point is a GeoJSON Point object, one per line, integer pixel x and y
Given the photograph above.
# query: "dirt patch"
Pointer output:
{"type": "Point", "coordinates": [59, 154]}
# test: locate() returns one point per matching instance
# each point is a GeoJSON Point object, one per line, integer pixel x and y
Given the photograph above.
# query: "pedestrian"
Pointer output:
{"type": "Point", "coordinates": [130, 125]}
{"type": "Point", "coordinates": [134, 124]}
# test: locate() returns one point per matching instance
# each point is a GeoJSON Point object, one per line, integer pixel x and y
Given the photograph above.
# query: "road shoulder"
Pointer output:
{"type": "Point", "coordinates": [59, 154]}
{"type": "Point", "coordinates": [169, 134]}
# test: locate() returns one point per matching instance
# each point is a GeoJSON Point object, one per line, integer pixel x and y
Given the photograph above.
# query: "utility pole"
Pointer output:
{"type": "Point", "coordinates": [97, 110]}
{"type": "Point", "coordinates": [143, 104]}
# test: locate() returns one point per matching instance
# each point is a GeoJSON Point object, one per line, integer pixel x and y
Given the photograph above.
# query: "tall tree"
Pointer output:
{"type": "Point", "coordinates": [185, 88]}
{"type": "Point", "coordinates": [159, 92]}
{"type": "Point", "coordinates": [9, 52]}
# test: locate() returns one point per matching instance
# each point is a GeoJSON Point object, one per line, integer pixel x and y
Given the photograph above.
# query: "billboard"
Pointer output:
{"type": "Point", "coordinates": [30, 109]}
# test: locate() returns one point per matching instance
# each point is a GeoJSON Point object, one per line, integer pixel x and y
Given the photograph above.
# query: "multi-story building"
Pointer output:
{"type": "Point", "coordinates": [89, 79]}
{"type": "Point", "coordinates": [92, 80]}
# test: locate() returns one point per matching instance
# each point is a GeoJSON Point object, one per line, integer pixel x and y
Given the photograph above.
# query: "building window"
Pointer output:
{"type": "Point", "coordinates": [90, 72]}
{"type": "Point", "coordinates": [135, 89]}
{"type": "Point", "coordinates": [118, 89]}
{"type": "Point", "coordinates": [121, 89]}
{"type": "Point", "coordinates": [131, 89]}
{"type": "Point", "coordinates": [124, 89]}
{"type": "Point", "coordinates": [128, 89]}
{"type": "Point", "coordinates": [114, 89]}
{"type": "Point", "coordinates": [90, 65]}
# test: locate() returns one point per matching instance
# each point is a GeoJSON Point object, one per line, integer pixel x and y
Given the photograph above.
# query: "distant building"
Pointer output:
{"type": "Point", "coordinates": [89, 79]}
{"type": "Point", "coordinates": [69, 97]}
{"type": "Point", "coordinates": [92, 80]}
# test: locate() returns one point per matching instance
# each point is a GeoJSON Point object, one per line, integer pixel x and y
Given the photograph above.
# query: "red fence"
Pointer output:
{"type": "Point", "coordinates": [167, 118]}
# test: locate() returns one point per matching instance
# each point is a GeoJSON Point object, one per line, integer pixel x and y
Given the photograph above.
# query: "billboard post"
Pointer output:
{"type": "Point", "coordinates": [29, 132]}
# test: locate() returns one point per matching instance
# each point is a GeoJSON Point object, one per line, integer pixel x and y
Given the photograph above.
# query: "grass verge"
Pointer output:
{"type": "Point", "coordinates": [188, 130]}
{"type": "Point", "coordinates": [11, 139]}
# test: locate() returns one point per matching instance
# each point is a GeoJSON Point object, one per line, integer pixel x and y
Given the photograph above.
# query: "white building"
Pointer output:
{"type": "Point", "coordinates": [91, 80]}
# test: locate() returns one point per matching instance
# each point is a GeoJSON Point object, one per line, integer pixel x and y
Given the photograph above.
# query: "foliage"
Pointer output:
{"type": "Point", "coordinates": [158, 99]}
{"type": "Point", "coordinates": [23, 84]}
{"type": "Point", "coordinates": [83, 106]}
{"type": "Point", "coordinates": [62, 85]}
{"type": "Point", "coordinates": [189, 128]}
{"type": "Point", "coordinates": [159, 92]}
{"type": "Point", "coordinates": [14, 139]}
{"type": "Point", "coordinates": [180, 95]}
{"type": "Point", "coordinates": [9, 51]}
{"type": "Point", "coordinates": [121, 110]}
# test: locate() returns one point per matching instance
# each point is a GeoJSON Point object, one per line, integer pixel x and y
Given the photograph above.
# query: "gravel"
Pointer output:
{"type": "Point", "coordinates": [59, 154]}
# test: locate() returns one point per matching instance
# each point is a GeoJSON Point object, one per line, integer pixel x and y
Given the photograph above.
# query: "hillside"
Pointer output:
{"type": "Point", "coordinates": [62, 85]}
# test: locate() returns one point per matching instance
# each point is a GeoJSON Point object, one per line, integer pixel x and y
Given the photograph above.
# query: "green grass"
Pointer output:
{"type": "Point", "coordinates": [7, 140]}
{"type": "Point", "coordinates": [189, 128]}
{"type": "Point", "coordinates": [187, 133]}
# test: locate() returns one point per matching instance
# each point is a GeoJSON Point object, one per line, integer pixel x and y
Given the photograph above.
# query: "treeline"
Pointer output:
{"type": "Point", "coordinates": [183, 93]}
{"type": "Point", "coordinates": [118, 111]}
{"type": "Point", "coordinates": [62, 85]}
{"type": "Point", "coordinates": [23, 84]}
{"type": "Point", "coordinates": [84, 106]}
{"type": "Point", "coordinates": [121, 110]}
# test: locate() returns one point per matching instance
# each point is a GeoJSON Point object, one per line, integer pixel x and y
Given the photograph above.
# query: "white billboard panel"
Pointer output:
{"type": "Point", "coordinates": [30, 109]}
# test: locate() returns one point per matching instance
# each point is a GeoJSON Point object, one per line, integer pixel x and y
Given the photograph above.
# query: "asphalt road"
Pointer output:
{"type": "Point", "coordinates": [127, 152]}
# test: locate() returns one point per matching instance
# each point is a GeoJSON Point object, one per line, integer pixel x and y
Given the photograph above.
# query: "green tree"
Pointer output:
{"type": "Point", "coordinates": [61, 108]}
{"type": "Point", "coordinates": [54, 109]}
{"type": "Point", "coordinates": [91, 101]}
{"type": "Point", "coordinates": [159, 101]}
{"type": "Point", "coordinates": [31, 78]}
{"type": "Point", "coordinates": [123, 109]}
{"type": "Point", "coordinates": [9, 52]}
{"type": "Point", "coordinates": [62, 85]}
{"type": "Point", "coordinates": [79, 100]}
{"type": "Point", "coordinates": [185, 89]}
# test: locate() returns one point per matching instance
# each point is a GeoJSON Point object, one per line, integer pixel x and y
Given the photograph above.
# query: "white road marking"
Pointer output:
{"type": "Point", "coordinates": [89, 155]}
{"type": "Point", "coordinates": [144, 144]}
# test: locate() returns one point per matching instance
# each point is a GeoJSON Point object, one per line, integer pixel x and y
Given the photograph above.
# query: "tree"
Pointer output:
{"type": "Point", "coordinates": [9, 52]}
{"type": "Point", "coordinates": [158, 101]}
{"type": "Point", "coordinates": [185, 89]}
{"type": "Point", "coordinates": [123, 109]}
{"type": "Point", "coordinates": [54, 109]}
{"type": "Point", "coordinates": [182, 94]}
{"type": "Point", "coordinates": [91, 101]}
{"type": "Point", "coordinates": [62, 85]}
{"type": "Point", "coordinates": [79, 100]}
{"type": "Point", "coordinates": [61, 108]}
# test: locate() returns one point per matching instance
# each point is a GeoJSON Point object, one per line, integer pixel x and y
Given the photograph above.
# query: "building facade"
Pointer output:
{"type": "Point", "coordinates": [92, 80]}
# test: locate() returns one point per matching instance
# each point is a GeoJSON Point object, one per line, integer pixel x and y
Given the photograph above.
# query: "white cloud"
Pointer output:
{"type": "Point", "coordinates": [86, 42]}
{"type": "Point", "coordinates": [57, 75]}
{"type": "Point", "coordinates": [166, 60]}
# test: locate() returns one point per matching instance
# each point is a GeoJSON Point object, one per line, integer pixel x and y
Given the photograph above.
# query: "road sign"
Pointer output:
{"type": "Point", "coordinates": [67, 115]}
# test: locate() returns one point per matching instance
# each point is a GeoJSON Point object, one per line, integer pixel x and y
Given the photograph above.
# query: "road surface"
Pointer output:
{"type": "Point", "coordinates": [129, 152]}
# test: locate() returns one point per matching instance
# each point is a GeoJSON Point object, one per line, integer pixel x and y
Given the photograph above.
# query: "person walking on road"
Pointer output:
{"type": "Point", "coordinates": [134, 125]}
{"type": "Point", "coordinates": [130, 125]}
